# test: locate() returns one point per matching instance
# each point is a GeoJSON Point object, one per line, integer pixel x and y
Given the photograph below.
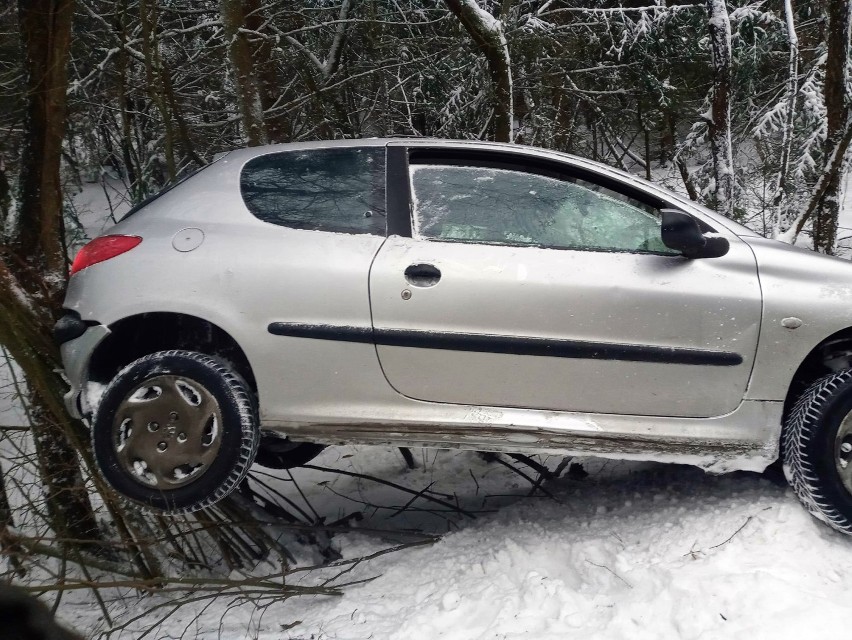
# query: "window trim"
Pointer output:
{"type": "Point", "coordinates": [488, 159]}
{"type": "Point", "coordinates": [277, 152]}
{"type": "Point", "coordinates": [398, 193]}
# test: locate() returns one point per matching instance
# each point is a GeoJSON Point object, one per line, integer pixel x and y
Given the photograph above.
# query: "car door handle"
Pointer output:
{"type": "Point", "coordinates": [422, 275]}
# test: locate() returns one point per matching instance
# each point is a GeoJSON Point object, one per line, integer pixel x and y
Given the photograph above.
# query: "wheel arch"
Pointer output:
{"type": "Point", "coordinates": [833, 353]}
{"type": "Point", "coordinates": [141, 334]}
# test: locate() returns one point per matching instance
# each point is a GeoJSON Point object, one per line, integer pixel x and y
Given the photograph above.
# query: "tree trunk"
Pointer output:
{"type": "Point", "coordinates": [268, 86]}
{"type": "Point", "coordinates": [175, 111]}
{"type": "Point", "coordinates": [837, 107]}
{"type": "Point", "coordinates": [33, 266]}
{"type": "Point", "coordinates": [719, 122]}
{"type": "Point", "coordinates": [239, 51]}
{"type": "Point", "coordinates": [687, 179]}
{"type": "Point", "coordinates": [643, 124]}
{"type": "Point", "coordinates": [789, 117]}
{"type": "Point", "coordinates": [488, 34]}
{"type": "Point", "coordinates": [9, 548]}
{"type": "Point", "coordinates": [130, 158]}
{"type": "Point", "coordinates": [25, 333]}
{"type": "Point", "coordinates": [668, 133]}
{"type": "Point", "coordinates": [45, 27]}
{"type": "Point", "coordinates": [5, 195]}
{"type": "Point", "coordinates": [154, 76]}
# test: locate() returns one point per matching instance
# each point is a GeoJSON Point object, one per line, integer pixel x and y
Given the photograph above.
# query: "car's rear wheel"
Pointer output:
{"type": "Point", "coordinates": [816, 447]}
{"type": "Point", "coordinates": [175, 431]}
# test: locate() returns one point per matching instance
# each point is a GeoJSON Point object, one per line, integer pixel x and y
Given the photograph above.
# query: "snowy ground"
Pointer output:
{"type": "Point", "coordinates": [634, 550]}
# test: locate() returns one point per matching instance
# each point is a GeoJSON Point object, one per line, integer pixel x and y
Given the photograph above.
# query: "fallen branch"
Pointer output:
{"type": "Point", "coordinates": [387, 483]}
{"type": "Point", "coordinates": [185, 584]}
{"type": "Point", "coordinates": [536, 484]}
{"type": "Point", "coordinates": [832, 168]}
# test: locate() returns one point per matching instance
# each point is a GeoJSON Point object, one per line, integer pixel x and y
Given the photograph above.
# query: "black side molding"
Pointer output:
{"type": "Point", "coordinates": [514, 345]}
{"type": "Point", "coordinates": [322, 332]}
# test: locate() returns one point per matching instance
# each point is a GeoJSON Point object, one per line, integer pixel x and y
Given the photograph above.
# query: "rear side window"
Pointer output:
{"type": "Point", "coordinates": [340, 190]}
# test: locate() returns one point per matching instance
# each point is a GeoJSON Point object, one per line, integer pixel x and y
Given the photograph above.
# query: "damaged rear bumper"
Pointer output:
{"type": "Point", "coordinates": [77, 341]}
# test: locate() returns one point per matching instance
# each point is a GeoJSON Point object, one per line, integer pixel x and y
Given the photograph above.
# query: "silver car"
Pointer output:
{"type": "Point", "coordinates": [450, 294]}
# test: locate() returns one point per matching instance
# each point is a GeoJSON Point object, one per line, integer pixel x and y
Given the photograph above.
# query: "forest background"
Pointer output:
{"type": "Point", "coordinates": [743, 105]}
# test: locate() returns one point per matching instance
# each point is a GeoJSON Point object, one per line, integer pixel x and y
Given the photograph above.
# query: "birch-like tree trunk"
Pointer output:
{"type": "Point", "coordinates": [719, 120]}
{"type": "Point", "coordinates": [789, 117]}
{"type": "Point", "coordinates": [490, 37]}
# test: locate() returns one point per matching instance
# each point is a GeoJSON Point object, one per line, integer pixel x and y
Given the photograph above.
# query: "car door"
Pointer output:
{"type": "Point", "coordinates": [525, 282]}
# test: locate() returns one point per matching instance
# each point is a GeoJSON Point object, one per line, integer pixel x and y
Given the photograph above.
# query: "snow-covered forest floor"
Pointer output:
{"type": "Point", "coordinates": [631, 551]}
{"type": "Point", "coordinates": [638, 550]}
{"type": "Point", "coordinates": [634, 550]}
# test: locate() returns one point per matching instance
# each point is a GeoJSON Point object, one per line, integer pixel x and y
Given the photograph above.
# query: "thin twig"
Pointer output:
{"type": "Point", "coordinates": [733, 534]}
{"type": "Point", "coordinates": [526, 477]}
{"type": "Point", "coordinates": [410, 502]}
{"type": "Point", "coordinates": [391, 484]}
{"type": "Point", "coordinates": [611, 571]}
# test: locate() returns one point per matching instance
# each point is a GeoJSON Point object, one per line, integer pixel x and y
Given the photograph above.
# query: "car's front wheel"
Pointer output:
{"type": "Point", "coordinates": [175, 431]}
{"type": "Point", "coordinates": [816, 447]}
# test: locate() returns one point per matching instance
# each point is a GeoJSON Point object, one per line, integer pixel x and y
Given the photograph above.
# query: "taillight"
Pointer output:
{"type": "Point", "coordinates": [101, 249]}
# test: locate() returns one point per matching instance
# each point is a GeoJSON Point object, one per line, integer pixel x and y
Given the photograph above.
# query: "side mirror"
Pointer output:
{"type": "Point", "coordinates": [680, 231]}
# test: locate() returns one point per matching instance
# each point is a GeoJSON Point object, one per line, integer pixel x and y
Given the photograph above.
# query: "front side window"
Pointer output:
{"type": "Point", "coordinates": [506, 206]}
{"type": "Point", "coordinates": [340, 190]}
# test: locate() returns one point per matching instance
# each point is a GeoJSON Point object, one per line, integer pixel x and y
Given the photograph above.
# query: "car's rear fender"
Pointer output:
{"type": "Point", "coordinates": [243, 276]}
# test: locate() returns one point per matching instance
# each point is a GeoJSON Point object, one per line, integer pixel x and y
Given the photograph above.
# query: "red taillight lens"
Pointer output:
{"type": "Point", "coordinates": [101, 249]}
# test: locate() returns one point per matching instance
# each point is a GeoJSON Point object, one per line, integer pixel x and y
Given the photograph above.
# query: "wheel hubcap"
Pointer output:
{"type": "Point", "coordinates": [167, 432]}
{"type": "Point", "coordinates": [843, 452]}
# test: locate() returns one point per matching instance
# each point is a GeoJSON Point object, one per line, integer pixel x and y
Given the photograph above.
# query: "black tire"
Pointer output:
{"type": "Point", "coordinates": [236, 437]}
{"type": "Point", "coordinates": [809, 449]}
{"type": "Point", "coordinates": [280, 453]}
